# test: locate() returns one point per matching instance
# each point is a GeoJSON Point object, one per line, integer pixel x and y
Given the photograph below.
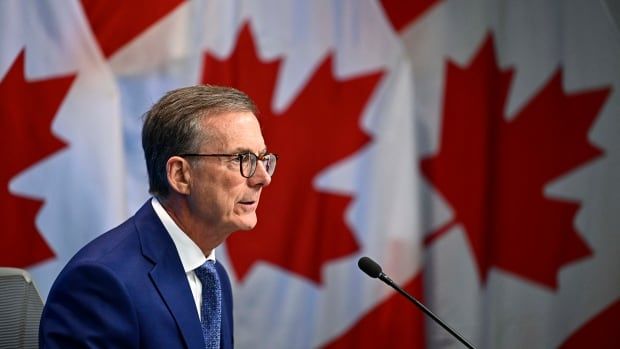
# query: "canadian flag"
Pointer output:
{"type": "Point", "coordinates": [63, 175]}
{"type": "Point", "coordinates": [471, 147]}
{"type": "Point", "coordinates": [517, 103]}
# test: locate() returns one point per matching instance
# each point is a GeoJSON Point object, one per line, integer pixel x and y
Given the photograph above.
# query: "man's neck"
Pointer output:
{"type": "Point", "coordinates": [179, 211]}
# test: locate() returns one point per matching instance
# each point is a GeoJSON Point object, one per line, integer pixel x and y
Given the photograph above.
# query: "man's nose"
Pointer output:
{"type": "Point", "coordinates": [260, 177]}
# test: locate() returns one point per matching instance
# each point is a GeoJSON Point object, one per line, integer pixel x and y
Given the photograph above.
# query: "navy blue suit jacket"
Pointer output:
{"type": "Point", "coordinates": [128, 289]}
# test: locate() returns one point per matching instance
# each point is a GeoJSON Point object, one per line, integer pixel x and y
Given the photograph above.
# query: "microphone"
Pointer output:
{"type": "Point", "coordinates": [372, 269]}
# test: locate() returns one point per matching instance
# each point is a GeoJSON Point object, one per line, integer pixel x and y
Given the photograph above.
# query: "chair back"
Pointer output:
{"type": "Point", "coordinates": [20, 309]}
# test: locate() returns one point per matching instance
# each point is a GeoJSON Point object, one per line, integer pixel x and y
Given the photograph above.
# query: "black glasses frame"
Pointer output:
{"type": "Point", "coordinates": [240, 156]}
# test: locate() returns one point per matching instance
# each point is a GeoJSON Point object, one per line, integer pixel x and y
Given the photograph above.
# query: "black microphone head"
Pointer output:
{"type": "Point", "coordinates": [369, 267]}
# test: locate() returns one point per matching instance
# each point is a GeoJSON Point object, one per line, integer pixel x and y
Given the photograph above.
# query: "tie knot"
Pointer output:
{"type": "Point", "coordinates": [206, 271]}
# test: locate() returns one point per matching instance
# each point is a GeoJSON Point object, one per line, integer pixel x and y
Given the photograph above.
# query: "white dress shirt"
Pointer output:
{"type": "Point", "coordinates": [191, 255]}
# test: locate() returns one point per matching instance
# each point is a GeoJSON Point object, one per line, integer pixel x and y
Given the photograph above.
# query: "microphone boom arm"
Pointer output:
{"type": "Point", "coordinates": [372, 269]}
{"type": "Point", "coordinates": [425, 310]}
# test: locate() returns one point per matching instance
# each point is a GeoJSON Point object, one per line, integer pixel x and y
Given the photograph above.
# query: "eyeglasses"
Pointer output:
{"type": "Point", "coordinates": [248, 161]}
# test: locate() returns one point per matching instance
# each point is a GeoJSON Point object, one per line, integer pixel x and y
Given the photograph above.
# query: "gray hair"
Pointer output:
{"type": "Point", "coordinates": [172, 126]}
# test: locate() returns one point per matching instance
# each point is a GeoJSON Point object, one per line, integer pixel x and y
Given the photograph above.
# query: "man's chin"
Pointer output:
{"type": "Point", "coordinates": [247, 224]}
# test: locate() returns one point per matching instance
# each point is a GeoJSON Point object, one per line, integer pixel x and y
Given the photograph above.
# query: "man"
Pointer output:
{"type": "Point", "coordinates": [153, 282]}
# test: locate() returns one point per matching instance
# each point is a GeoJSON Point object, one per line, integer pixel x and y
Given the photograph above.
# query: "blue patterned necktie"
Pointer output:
{"type": "Point", "coordinates": [211, 307]}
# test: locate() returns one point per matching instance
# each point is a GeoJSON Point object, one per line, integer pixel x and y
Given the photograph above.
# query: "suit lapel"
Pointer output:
{"type": "Point", "coordinates": [168, 275]}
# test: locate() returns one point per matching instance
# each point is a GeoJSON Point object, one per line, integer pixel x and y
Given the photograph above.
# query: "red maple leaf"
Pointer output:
{"type": "Point", "coordinates": [300, 228]}
{"type": "Point", "coordinates": [493, 172]}
{"type": "Point", "coordinates": [27, 110]}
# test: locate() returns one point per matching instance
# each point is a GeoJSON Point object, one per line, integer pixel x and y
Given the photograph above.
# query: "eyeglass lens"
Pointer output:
{"type": "Point", "coordinates": [249, 161]}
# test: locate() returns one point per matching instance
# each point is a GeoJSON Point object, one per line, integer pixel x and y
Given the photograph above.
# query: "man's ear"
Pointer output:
{"type": "Point", "coordinates": [179, 175]}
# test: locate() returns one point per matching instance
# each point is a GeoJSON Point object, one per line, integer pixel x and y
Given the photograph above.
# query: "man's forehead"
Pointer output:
{"type": "Point", "coordinates": [226, 120]}
{"type": "Point", "coordinates": [232, 132]}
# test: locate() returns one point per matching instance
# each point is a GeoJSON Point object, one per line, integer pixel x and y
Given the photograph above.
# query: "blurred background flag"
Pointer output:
{"type": "Point", "coordinates": [517, 105]}
{"type": "Point", "coordinates": [63, 180]}
{"type": "Point", "coordinates": [468, 146]}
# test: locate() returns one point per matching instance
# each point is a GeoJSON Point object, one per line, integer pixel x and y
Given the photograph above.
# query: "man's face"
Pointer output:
{"type": "Point", "coordinates": [220, 196]}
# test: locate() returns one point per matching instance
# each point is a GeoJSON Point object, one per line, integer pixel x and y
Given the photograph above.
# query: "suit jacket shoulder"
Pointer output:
{"type": "Point", "coordinates": [128, 289]}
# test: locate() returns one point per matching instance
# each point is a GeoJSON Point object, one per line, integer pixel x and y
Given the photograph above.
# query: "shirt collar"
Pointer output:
{"type": "Point", "coordinates": [190, 254]}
